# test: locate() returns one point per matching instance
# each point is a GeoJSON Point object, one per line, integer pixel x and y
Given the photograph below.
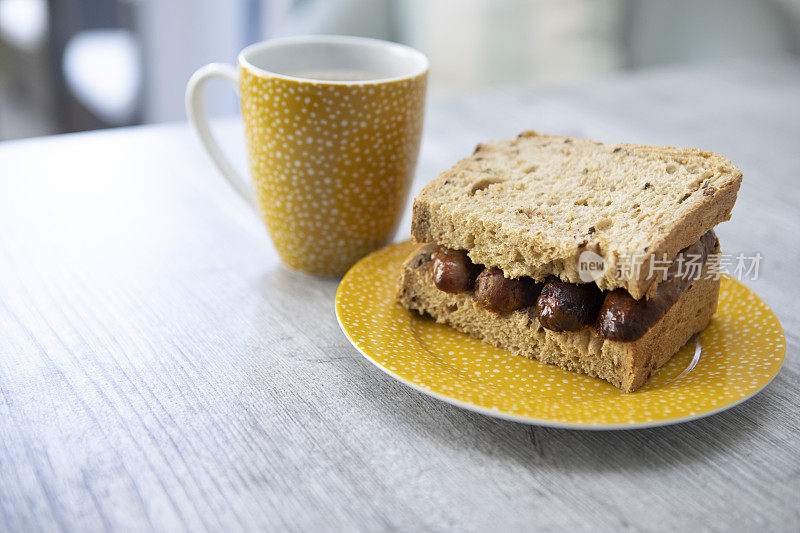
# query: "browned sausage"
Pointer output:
{"type": "Point", "coordinates": [452, 271]}
{"type": "Point", "coordinates": [566, 306]}
{"type": "Point", "coordinates": [697, 252]}
{"type": "Point", "coordinates": [624, 319]}
{"type": "Point", "coordinates": [499, 294]}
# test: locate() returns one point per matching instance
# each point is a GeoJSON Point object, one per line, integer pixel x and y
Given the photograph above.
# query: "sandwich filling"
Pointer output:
{"type": "Point", "coordinates": [563, 306]}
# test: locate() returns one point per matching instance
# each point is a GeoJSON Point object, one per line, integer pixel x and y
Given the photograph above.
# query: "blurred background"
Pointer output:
{"type": "Point", "coordinates": [73, 65]}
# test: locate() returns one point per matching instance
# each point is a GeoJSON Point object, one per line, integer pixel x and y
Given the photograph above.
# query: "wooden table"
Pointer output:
{"type": "Point", "coordinates": [160, 370]}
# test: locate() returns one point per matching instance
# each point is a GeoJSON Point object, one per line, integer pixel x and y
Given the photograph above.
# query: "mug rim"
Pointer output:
{"type": "Point", "coordinates": [387, 45]}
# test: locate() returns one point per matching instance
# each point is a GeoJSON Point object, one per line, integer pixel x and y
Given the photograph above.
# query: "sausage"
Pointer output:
{"type": "Point", "coordinates": [566, 306]}
{"type": "Point", "coordinates": [499, 294]}
{"type": "Point", "coordinates": [452, 271]}
{"type": "Point", "coordinates": [697, 252]}
{"type": "Point", "coordinates": [624, 319]}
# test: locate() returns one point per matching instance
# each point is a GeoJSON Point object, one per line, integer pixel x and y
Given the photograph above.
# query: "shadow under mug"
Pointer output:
{"type": "Point", "coordinates": [332, 126]}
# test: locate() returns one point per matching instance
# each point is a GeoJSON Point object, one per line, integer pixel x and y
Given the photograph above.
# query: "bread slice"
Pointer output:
{"type": "Point", "coordinates": [627, 365]}
{"type": "Point", "coordinates": [531, 205]}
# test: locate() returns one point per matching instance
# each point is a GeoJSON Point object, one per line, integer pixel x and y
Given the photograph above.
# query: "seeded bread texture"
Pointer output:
{"type": "Point", "coordinates": [627, 365]}
{"type": "Point", "coordinates": [532, 205]}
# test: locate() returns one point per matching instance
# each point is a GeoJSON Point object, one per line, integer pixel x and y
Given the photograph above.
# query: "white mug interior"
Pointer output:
{"type": "Point", "coordinates": [287, 57]}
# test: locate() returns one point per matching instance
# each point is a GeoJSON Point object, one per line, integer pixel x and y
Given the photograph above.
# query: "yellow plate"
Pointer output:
{"type": "Point", "coordinates": [732, 359]}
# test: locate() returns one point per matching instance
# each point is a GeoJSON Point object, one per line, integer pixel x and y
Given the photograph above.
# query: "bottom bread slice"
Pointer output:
{"type": "Point", "coordinates": [627, 365]}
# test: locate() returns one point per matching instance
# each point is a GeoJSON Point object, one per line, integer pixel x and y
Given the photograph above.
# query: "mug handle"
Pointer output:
{"type": "Point", "coordinates": [196, 111]}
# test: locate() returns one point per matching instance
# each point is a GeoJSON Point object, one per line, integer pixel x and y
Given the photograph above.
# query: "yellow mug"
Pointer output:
{"type": "Point", "coordinates": [332, 126]}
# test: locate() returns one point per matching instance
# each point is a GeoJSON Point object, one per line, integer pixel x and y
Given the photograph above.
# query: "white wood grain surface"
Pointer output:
{"type": "Point", "coordinates": [160, 370]}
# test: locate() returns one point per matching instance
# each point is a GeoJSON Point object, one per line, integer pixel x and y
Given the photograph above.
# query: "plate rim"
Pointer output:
{"type": "Point", "coordinates": [528, 420]}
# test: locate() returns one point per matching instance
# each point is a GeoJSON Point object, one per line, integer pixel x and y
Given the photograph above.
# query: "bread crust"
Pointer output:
{"type": "Point", "coordinates": [530, 206]}
{"type": "Point", "coordinates": [627, 365]}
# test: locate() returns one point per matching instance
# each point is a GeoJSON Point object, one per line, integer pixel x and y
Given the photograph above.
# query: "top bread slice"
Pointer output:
{"type": "Point", "coordinates": [530, 206]}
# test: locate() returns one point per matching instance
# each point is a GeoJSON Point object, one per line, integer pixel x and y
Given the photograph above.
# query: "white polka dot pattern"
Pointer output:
{"type": "Point", "coordinates": [331, 163]}
{"type": "Point", "coordinates": [741, 351]}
